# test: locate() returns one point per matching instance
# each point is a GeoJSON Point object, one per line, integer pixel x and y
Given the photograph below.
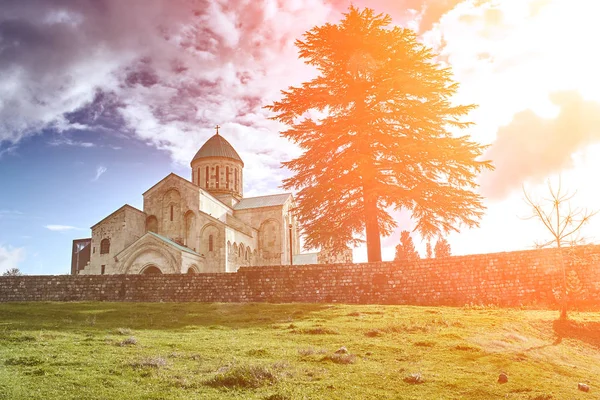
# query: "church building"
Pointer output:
{"type": "Point", "coordinates": [197, 226]}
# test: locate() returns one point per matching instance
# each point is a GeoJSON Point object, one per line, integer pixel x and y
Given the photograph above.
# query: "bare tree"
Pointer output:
{"type": "Point", "coordinates": [564, 224]}
{"type": "Point", "coordinates": [12, 272]}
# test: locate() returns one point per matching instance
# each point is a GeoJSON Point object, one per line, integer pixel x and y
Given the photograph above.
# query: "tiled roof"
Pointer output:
{"type": "Point", "coordinates": [217, 146]}
{"type": "Point", "coordinates": [174, 244]}
{"type": "Point", "coordinates": [262, 201]}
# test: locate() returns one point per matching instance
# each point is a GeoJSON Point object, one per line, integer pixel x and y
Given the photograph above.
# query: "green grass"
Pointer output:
{"type": "Point", "coordinates": [291, 351]}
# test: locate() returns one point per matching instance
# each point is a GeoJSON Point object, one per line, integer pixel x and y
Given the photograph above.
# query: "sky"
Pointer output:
{"type": "Point", "coordinates": [100, 99]}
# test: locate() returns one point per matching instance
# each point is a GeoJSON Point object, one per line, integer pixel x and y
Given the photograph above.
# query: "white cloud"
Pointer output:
{"type": "Point", "coordinates": [10, 257]}
{"type": "Point", "coordinates": [99, 171]}
{"type": "Point", "coordinates": [60, 228]}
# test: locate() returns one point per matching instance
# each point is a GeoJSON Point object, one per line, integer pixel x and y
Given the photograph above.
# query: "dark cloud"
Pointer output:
{"type": "Point", "coordinates": [531, 147]}
{"type": "Point", "coordinates": [166, 71]}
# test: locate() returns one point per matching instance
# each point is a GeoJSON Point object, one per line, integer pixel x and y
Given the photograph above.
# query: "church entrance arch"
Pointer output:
{"type": "Point", "coordinates": [151, 270]}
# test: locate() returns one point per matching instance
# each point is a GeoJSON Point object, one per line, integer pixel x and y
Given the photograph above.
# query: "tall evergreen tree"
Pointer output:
{"type": "Point", "coordinates": [376, 126]}
{"type": "Point", "coordinates": [428, 250]}
{"type": "Point", "coordinates": [406, 251]}
{"type": "Point", "coordinates": [442, 248]}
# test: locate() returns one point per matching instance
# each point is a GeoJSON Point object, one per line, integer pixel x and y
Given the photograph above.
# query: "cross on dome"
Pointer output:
{"type": "Point", "coordinates": [217, 128]}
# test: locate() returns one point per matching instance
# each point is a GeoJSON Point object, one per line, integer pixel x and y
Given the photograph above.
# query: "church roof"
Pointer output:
{"type": "Point", "coordinates": [262, 201]}
{"type": "Point", "coordinates": [174, 244]}
{"type": "Point", "coordinates": [217, 146]}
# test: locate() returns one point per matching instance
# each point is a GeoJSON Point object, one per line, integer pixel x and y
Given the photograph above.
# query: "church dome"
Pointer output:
{"type": "Point", "coordinates": [217, 146]}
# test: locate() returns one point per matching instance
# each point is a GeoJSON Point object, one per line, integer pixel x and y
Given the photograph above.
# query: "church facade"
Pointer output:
{"type": "Point", "coordinates": [194, 226]}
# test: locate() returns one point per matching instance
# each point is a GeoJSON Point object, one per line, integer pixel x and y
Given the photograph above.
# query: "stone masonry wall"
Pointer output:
{"type": "Point", "coordinates": [505, 279]}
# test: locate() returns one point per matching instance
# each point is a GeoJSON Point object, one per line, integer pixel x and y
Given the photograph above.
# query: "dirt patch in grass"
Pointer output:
{"type": "Point", "coordinates": [374, 333]}
{"type": "Point", "coordinates": [466, 347]}
{"type": "Point", "coordinates": [28, 361]}
{"type": "Point", "coordinates": [426, 343]}
{"type": "Point", "coordinates": [414, 379]}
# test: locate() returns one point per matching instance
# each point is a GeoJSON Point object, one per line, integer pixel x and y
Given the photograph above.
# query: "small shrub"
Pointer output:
{"type": "Point", "coordinates": [243, 376]}
{"type": "Point", "coordinates": [149, 362]}
{"type": "Point", "coordinates": [321, 330]}
{"type": "Point", "coordinates": [311, 351]}
{"type": "Point", "coordinates": [124, 331]}
{"type": "Point", "coordinates": [130, 341]}
{"type": "Point", "coordinates": [340, 358]}
{"type": "Point", "coordinates": [542, 397]}
{"type": "Point", "coordinates": [354, 314]}
{"type": "Point", "coordinates": [257, 352]}
{"type": "Point", "coordinates": [414, 379]}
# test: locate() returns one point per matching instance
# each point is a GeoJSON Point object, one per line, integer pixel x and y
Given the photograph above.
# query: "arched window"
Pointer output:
{"type": "Point", "coordinates": [227, 177]}
{"type": "Point", "coordinates": [171, 212]}
{"type": "Point", "coordinates": [198, 177]}
{"type": "Point", "coordinates": [217, 177]}
{"type": "Point", "coordinates": [152, 224]}
{"type": "Point", "coordinates": [206, 175]}
{"type": "Point", "coordinates": [235, 180]}
{"type": "Point", "coordinates": [241, 251]}
{"type": "Point", "coordinates": [104, 246]}
{"type": "Point", "coordinates": [151, 270]}
{"type": "Point", "coordinates": [247, 253]}
{"type": "Point", "coordinates": [210, 243]}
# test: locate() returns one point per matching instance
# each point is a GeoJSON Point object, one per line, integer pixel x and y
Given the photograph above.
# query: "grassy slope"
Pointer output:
{"type": "Point", "coordinates": [182, 351]}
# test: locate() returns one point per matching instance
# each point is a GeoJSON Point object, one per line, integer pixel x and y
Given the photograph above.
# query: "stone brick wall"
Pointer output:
{"type": "Point", "coordinates": [505, 279]}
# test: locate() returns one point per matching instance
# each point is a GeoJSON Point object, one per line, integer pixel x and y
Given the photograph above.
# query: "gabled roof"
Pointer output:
{"type": "Point", "coordinates": [114, 212]}
{"type": "Point", "coordinates": [174, 244]}
{"type": "Point", "coordinates": [167, 177]}
{"type": "Point", "coordinates": [262, 201]}
{"type": "Point", "coordinates": [217, 146]}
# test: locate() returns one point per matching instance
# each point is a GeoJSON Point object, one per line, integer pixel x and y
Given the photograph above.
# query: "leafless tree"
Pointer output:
{"type": "Point", "coordinates": [564, 224]}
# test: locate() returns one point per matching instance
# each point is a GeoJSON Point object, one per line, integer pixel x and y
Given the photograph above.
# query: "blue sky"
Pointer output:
{"type": "Point", "coordinates": [100, 99]}
{"type": "Point", "coordinates": [52, 194]}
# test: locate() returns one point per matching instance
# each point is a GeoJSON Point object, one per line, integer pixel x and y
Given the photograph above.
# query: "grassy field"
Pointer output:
{"type": "Point", "coordinates": [289, 351]}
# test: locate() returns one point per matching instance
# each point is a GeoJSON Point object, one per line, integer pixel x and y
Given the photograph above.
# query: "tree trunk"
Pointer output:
{"type": "Point", "coordinates": [563, 301]}
{"type": "Point", "coordinates": [372, 227]}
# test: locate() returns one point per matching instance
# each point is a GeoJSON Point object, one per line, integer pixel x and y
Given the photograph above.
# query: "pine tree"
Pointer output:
{"type": "Point", "coordinates": [428, 250]}
{"type": "Point", "coordinates": [376, 129]}
{"type": "Point", "coordinates": [442, 248]}
{"type": "Point", "coordinates": [406, 251]}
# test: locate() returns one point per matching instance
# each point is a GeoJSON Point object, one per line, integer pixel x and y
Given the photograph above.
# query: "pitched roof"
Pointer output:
{"type": "Point", "coordinates": [190, 184]}
{"type": "Point", "coordinates": [174, 244]}
{"type": "Point", "coordinates": [126, 206]}
{"type": "Point", "coordinates": [262, 201]}
{"type": "Point", "coordinates": [217, 146]}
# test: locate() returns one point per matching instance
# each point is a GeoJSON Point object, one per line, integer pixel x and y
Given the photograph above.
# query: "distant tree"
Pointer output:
{"type": "Point", "coordinates": [12, 272]}
{"type": "Point", "coordinates": [406, 251]}
{"type": "Point", "coordinates": [563, 222]}
{"type": "Point", "coordinates": [428, 250]}
{"type": "Point", "coordinates": [379, 130]}
{"type": "Point", "coordinates": [442, 248]}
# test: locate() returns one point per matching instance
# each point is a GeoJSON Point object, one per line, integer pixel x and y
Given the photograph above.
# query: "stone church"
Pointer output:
{"type": "Point", "coordinates": [197, 226]}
